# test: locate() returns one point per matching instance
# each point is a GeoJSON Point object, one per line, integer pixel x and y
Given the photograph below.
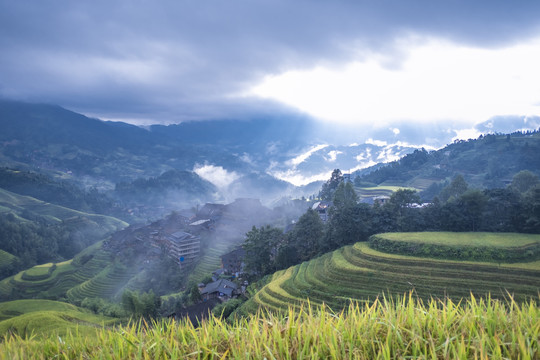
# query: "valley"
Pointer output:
{"type": "Point", "coordinates": [104, 222]}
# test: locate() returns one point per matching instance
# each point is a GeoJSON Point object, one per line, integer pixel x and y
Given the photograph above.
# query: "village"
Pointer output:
{"type": "Point", "coordinates": [185, 236]}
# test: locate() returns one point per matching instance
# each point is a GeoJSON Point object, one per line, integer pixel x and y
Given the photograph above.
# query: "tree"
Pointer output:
{"type": "Point", "coordinates": [502, 211]}
{"type": "Point", "coordinates": [345, 196]}
{"type": "Point", "coordinates": [455, 189]}
{"type": "Point", "coordinates": [329, 187]}
{"type": "Point", "coordinates": [405, 217]}
{"type": "Point", "coordinates": [474, 202]}
{"type": "Point", "coordinates": [348, 220]}
{"type": "Point", "coordinates": [523, 181]}
{"type": "Point", "coordinates": [194, 294]}
{"type": "Point", "coordinates": [144, 304]}
{"type": "Point", "coordinates": [401, 198]}
{"type": "Point", "coordinates": [261, 247]}
{"type": "Point", "coordinates": [306, 236]}
{"type": "Point", "coordinates": [531, 211]}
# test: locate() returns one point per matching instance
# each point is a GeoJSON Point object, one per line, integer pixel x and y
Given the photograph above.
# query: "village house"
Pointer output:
{"type": "Point", "coordinates": [322, 208]}
{"type": "Point", "coordinates": [210, 212]}
{"type": "Point", "coordinates": [222, 289]}
{"type": "Point", "coordinates": [183, 247]}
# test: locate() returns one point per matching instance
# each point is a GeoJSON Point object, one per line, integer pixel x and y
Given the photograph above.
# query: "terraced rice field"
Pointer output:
{"type": "Point", "coordinates": [499, 240]}
{"type": "Point", "coordinates": [105, 284]}
{"type": "Point", "coordinates": [64, 277]}
{"type": "Point", "coordinates": [41, 318]}
{"type": "Point", "coordinates": [367, 192]}
{"type": "Point", "coordinates": [210, 261]}
{"type": "Point", "coordinates": [422, 183]}
{"type": "Point", "coordinates": [464, 246]}
{"type": "Point", "coordinates": [16, 203]}
{"type": "Point", "coordinates": [361, 273]}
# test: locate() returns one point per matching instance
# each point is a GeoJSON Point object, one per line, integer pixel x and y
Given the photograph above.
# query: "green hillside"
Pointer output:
{"type": "Point", "coordinates": [362, 273]}
{"type": "Point", "coordinates": [487, 162]}
{"type": "Point", "coordinates": [45, 318]}
{"type": "Point", "coordinates": [17, 204]}
{"type": "Point", "coordinates": [39, 232]}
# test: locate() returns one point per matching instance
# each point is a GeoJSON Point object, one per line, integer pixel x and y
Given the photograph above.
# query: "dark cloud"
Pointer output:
{"type": "Point", "coordinates": [172, 60]}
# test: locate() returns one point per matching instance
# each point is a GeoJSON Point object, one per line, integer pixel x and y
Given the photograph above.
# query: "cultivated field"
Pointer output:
{"type": "Point", "coordinates": [500, 240]}
{"type": "Point", "coordinates": [16, 204]}
{"type": "Point", "coordinates": [46, 318]}
{"type": "Point", "coordinates": [382, 190]}
{"type": "Point", "coordinates": [474, 246]}
{"type": "Point", "coordinates": [51, 281]}
{"type": "Point", "coordinates": [359, 272]}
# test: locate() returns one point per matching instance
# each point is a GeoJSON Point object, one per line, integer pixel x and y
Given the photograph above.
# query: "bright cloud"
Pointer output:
{"type": "Point", "coordinates": [332, 155]}
{"type": "Point", "coordinates": [466, 134]}
{"type": "Point", "coordinates": [295, 177]}
{"type": "Point", "coordinates": [217, 175]}
{"type": "Point", "coordinates": [435, 81]}
{"type": "Point", "coordinates": [302, 157]}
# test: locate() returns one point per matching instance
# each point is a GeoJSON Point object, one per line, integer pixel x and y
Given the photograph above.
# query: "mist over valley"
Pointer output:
{"type": "Point", "coordinates": [285, 180]}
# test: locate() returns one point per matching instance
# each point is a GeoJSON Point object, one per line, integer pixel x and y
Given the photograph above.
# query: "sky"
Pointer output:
{"type": "Point", "coordinates": [392, 67]}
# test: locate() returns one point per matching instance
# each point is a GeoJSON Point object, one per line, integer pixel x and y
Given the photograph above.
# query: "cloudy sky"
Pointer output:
{"type": "Point", "coordinates": [379, 65]}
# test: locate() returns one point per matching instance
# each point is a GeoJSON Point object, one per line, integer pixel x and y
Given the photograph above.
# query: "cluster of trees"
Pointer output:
{"type": "Point", "coordinates": [515, 208]}
{"type": "Point", "coordinates": [136, 304]}
{"type": "Point", "coordinates": [32, 243]}
{"type": "Point", "coordinates": [34, 240]}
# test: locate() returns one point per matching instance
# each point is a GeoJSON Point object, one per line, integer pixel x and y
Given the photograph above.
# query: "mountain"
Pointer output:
{"type": "Point", "coordinates": [318, 162]}
{"type": "Point", "coordinates": [487, 162]}
{"type": "Point", "coordinates": [51, 138]}
{"type": "Point", "coordinates": [68, 145]}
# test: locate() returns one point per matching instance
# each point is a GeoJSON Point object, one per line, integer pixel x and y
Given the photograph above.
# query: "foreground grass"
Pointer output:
{"type": "Point", "coordinates": [386, 329]}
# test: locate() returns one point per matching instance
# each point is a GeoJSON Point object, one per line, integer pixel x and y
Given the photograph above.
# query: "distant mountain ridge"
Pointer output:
{"type": "Point", "coordinates": [270, 152]}
{"type": "Point", "coordinates": [41, 137]}
{"type": "Point", "coordinates": [487, 162]}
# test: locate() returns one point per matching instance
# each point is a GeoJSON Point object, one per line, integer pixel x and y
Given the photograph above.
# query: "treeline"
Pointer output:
{"type": "Point", "coordinates": [457, 207]}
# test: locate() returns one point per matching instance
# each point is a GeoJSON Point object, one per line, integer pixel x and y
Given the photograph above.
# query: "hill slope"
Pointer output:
{"type": "Point", "coordinates": [45, 318]}
{"type": "Point", "coordinates": [38, 232]}
{"type": "Point", "coordinates": [19, 204]}
{"type": "Point", "coordinates": [359, 272]}
{"type": "Point", "coordinates": [489, 161]}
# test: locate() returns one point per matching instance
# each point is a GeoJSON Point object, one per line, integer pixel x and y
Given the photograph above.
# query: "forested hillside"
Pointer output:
{"type": "Point", "coordinates": [37, 232]}
{"type": "Point", "coordinates": [487, 162]}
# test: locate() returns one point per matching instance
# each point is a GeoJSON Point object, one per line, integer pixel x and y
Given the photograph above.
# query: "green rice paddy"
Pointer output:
{"type": "Point", "coordinates": [500, 240]}
{"type": "Point", "coordinates": [360, 273]}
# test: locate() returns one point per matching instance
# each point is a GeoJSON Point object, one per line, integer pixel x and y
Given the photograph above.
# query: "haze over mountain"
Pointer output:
{"type": "Point", "coordinates": [169, 158]}
{"type": "Point", "coordinates": [418, 73]}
